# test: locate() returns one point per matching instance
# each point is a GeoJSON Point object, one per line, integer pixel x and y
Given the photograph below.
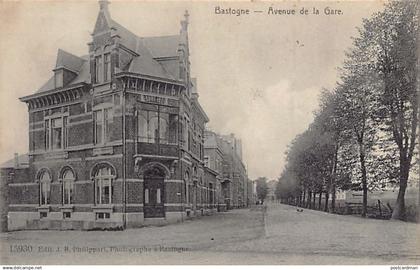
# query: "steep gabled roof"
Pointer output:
{"type": "Point", "coordinates": [152, 60]}
{"type": "Point", "coordinates": [163, 46]}
{"type": "Point", "coordinates": [148, 49]}
{"type": "Point", "coordinates": [147, 66]}
{"type": "Point", "coordinates": [68, 61]}
{"type": "Point", "coordinates": [128, 38]}
{"type": "Point", "coordinates": [84, 73]}
{"type": "Point", "coordinates": [49, 85]}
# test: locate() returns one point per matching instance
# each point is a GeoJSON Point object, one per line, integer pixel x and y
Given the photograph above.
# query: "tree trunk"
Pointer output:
{"type": "Point", "coordinates": [309, 206]}
{"type": "Point", "coordinates": [303, 198]}
{"type": "Point", "coordinates": [333, 185]}
{"type": "Point", "coordinates": [399, 209]}
{"type": "Point", "coordinates": [319, 200]}
{"type": "Point", "coordinates": [327, 197]}
{"type": "Point", "coordinates": [313, 201]}
{"type": "Point", "coordinates": [364, 184]}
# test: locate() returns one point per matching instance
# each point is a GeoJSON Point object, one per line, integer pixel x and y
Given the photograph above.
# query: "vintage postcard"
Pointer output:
{"type": "Point", "coordinates": [194, 132]}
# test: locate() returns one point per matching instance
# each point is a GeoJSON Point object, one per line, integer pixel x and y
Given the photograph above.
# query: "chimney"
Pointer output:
{"type": "Point", "coordinates": [16, 160]}
{"type": "Point", "coordinates": [103, 5]}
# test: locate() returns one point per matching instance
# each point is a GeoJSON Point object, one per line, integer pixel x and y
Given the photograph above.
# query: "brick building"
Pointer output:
{"type": "Point", "coordinates": [116, 137]}
{"type": "Point", "coordinates": [223, 154]}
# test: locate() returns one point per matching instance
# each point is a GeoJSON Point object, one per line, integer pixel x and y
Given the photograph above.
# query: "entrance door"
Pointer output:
{"type": "Point", "coordinates": [154, 194]}
{"type": "Point", "coordinates": [195, 198]}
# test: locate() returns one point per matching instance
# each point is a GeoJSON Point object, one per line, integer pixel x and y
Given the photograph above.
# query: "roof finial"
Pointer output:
{"type": "Point", "coordinates": [184, 23]}
{"type": "Point", "coordinates": [103, 4]}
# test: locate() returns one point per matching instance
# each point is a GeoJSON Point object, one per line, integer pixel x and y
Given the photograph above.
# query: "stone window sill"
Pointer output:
{"type": "Point", "coordinates": [108, 208]}
{"type": "Point", "coordinates": [67, 208]}
{"type": "Point", "coordinates": [43, 208]}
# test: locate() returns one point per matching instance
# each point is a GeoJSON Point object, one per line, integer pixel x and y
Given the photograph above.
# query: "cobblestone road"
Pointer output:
{"type": "Point", "coordinates": [281, 235]}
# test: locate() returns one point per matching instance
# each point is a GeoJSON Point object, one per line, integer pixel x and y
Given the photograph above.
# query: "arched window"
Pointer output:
{"type": "Point", "coordinates": [68, 185]}
{"type": "Point", "coordinates": [103, 176]}
{"type": "Point", "coordinates": [44, 178]}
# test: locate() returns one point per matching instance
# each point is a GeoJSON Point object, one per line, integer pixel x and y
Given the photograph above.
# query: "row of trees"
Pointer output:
{"type": "Point", "coordinates": [364, 134]}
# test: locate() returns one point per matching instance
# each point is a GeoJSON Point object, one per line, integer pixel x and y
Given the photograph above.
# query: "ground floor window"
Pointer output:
{"type": "Point", "coordinates": [103, 215]}
{"type": "Point", "coordinates": [44, 187]}
{"type": "Point", "coordinates": [211, 193]}
{"type": "Point", "coordinates": [186, 189]}
{"type": "Point", "coordinates": [103, 178]}
{"type": "Point", "coordinates": [68, 185]}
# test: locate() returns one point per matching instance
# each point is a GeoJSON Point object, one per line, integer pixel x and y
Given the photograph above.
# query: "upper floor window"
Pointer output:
{"type": "Point", "coordinates": [44, 178]}
{"type": "Point", "coordinates": [156, 127]}
{"type": "Point", "coordinates": [185, 132]}
{"type": "Point", "coordinates": [98, 69]}
{"type": "Point", "coordinates": [101, 120]}
{"type": "Point", "coordinates": [56, 133]}
{"type": "Point", "coordinates": [102, 64]}
{"type": "Point", "coordinates": [68, 185]}
{"type": "Point", "coordinates": [107, 67]}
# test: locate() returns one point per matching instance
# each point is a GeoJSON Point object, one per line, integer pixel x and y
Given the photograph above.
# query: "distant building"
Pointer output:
{"type": "Point", "coordinates": [223, 154]}
{"type": "Point", "coordinates": [271, 192]}
{"type": "Point", "coordinates": [16, 168]}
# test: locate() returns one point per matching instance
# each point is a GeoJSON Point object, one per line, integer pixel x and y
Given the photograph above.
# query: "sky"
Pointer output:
{"type": "Point", "coordinates": [259, 75]}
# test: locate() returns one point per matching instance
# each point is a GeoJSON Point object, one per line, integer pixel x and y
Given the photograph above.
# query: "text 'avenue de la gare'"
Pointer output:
{"type": "Point", "coordinates": [218, 10]}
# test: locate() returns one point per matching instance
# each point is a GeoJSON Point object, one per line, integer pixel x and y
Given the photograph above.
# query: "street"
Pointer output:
{"type": "Point", "coordinates": [281, 235]}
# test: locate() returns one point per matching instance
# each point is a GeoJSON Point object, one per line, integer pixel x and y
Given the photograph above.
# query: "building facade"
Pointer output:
{"type": "Point", "coordinates": [223, 154]}
{"type": "Point", "coordinates": [116, 137]}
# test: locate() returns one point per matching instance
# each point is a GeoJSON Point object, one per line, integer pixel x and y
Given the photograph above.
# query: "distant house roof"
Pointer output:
{"type": "Point", "coordinates": [210, 140]}
{"type": "Point", "coordinates": [21, 161]}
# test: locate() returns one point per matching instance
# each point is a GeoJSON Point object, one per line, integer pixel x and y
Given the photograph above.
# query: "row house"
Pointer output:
{"type": "Point", "coordinates": [223, 154]}
{"type": "Point", "coordinates": [116, 137]}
